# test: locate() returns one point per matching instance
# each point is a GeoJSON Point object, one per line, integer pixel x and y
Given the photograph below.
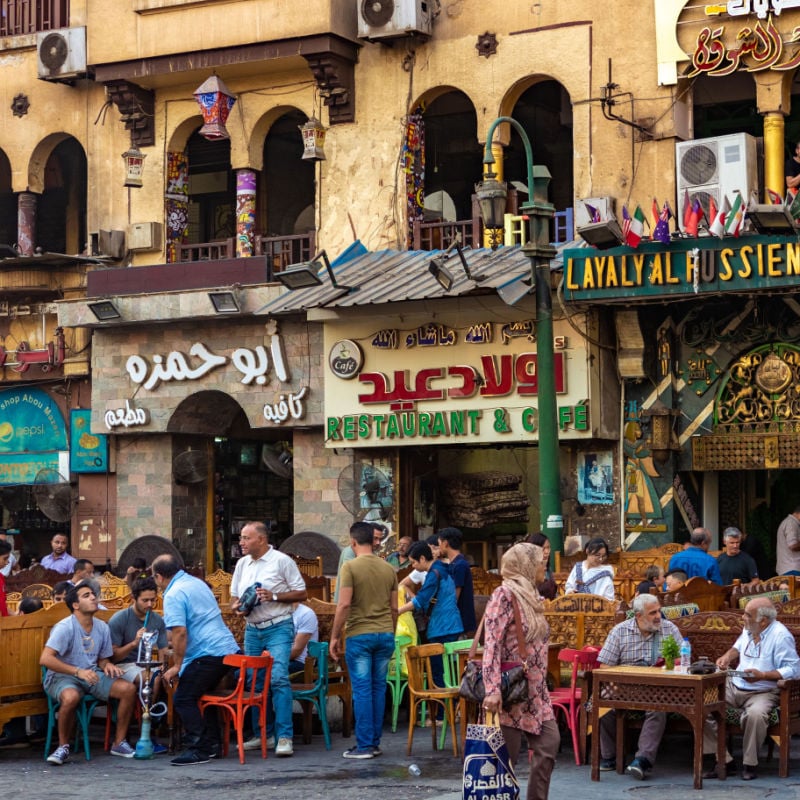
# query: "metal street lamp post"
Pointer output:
{"type": "Point", "coordinates": [492, 198]}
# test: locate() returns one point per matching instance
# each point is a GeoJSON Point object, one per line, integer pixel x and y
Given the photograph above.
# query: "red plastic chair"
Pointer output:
{"type": "Point", "coordinates": [236, 704]}
{"type": "Point", "coordinates": [568, 699]}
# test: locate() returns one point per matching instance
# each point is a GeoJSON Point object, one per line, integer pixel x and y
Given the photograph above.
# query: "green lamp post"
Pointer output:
{"type": "Point", "coordinates": [492, 198]}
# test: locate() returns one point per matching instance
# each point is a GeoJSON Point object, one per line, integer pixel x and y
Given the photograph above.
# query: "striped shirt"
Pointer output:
{"type": "Point", "coordinates": [626, 645]}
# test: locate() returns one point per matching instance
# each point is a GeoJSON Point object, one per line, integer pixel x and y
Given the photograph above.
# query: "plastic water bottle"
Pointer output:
{"type": "Point", "coordinates": [686, 656]}
{"type": "Point", "coordinates": [414, 771]}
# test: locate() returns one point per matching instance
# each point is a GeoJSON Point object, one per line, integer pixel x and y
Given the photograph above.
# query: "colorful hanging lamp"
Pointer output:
{"type": "Point", "coordinates": [134, 166]}
{"type": "Point", "coordinates": [215, 101]}
{"type": "Point", "coordinates": [313, 140]}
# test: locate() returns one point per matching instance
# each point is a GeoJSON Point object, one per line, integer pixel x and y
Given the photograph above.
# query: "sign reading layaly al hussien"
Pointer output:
{"type": "Point", "coordinates": [692, 266]}
{"type": "Point", "coordinates": [448, 383]}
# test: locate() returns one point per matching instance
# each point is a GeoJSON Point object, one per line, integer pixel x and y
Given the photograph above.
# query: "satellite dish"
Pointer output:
{"type": "Point", "coordinates": [439, 205]}
{"type": "Point", "coordinates": [366, 492]}
{"type": "Point", "coordinates": [190, 466]}
{"type": "Point", "coordinates": [277, 459]}
{"type": "Point", "coordinates": [53, 495]}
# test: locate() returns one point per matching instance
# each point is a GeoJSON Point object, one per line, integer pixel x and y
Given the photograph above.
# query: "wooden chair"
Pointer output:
{"type": "Point", "coordinates": [577, 620]}
{"type": "Point", "coordinates": [484, 582]}
{"type": "Point", "coordinates": [318, 586]}
{"type": "Point", "coordinates": [112, 587]}
{"type": "Point", "coordinates": [741, 594]}
{"type": "Point", "coordinates": [235, 704]}
{"type": "Point", "coordinates": [707, 595]}
{"type": "Point", "coordinates": [635, 562]}
{"type": "Point", "coordinates": [422, 689]}
{"type": "Point", "coordinates": [39, 590]}
{"type": "Point", "coordinates": [220, 583]}
{"type": "Point", "coordinates": [307, 566]}
{"type": "Point", "coordinates": [313, 692]}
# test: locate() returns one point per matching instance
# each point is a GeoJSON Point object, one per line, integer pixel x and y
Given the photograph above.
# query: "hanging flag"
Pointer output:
{"type": "Point", "coordinates": [692, 222]}
{"type": "Point", "coordinates": [594, 214]}
{"type": "Point", "coordinates": [712, 211]}
{"type": "Point", "coordinates": [733, 220]}
{"type": "Point", "coordinates": [717, 226]}
{"type": "Point", "coordinates": [774, 198]}
{"type": "Point", "coordinates": [632, 227]}
{"type": "Point", "coordinates": [661, 231]}
{"type": "Point", "coordinates": [687, 210]}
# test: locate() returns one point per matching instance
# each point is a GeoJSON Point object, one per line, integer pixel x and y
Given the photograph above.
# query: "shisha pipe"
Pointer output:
{"type": "Point", "coordinates": [144, 658]}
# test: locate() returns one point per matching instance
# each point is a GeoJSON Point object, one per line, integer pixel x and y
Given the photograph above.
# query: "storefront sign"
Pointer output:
{"type": "Point", "coordinates": [128, 417]}
{"type": "Point", "coordinates": [290, 407]}
{"type": "Point", "coordinates": [23, 469]}
{"type": "Point", "coordinates": [345, 359]}
{"type": "Point", "coordinates": [88, 452]}
{"type": "Point", "coordinates": [482, 387]}
{"type": "Point", "coordinates": [30, 422]}
{"type": "Point", "coordinates": [741, 8]}
{"type": "Point", "coordinates": [693, 266]}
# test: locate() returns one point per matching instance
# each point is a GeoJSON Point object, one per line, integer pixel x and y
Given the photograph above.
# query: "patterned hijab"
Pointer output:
{"type": "Point", "coordinates": [518, 568]}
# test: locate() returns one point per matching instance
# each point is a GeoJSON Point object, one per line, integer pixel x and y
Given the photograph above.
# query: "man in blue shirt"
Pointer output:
{"type": "Point", "coordinates": [200, 642]}
{"type": "Point", "coordinates": [695, 561]}
{"type": "Point", "coordinates": [451, 541]}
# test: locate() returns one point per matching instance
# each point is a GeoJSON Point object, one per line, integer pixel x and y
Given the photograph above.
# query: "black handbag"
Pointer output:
{"type": "Point", "coordinates": [422, 618]}
{"type": "Point", "coordinates": [513, 674]}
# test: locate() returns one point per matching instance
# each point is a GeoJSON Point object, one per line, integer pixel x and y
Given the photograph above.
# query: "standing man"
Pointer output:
{"type": "Point", "coordinates": [733, 563]}
{"type": "Point", "coordinates": [368, 604]}
{"type": "Point", "coordinates": [269, 624]}
{"type": "Point", "coordinates": [399, 559]}
{"type": "Point", "coordinates": [127, 627]}
{"type": "Point", "coordinates": [450, 542]}
{"type": "Point", "coordinates": [695, 561]}
{"type": "Point", "coordinates": [636, 642]}
{"type": "Point", "coordinates": [59, 560]}
{"type": "Point", "coordinates": [766, 654]}
{"type": "Point", "coordinates": [787, 548]}
{"type": "Point", "coordinates": [77, 658]}
{"type": "Point", "coordinates": [200, 642]}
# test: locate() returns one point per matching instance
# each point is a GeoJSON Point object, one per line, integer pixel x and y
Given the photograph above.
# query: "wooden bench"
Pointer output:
{"type": "Point", "coordinates": [741, 594]}
{"type": "Point", "coordinates": [708, 596]}
{"type": "Point", "coordinates": [484, 582]}
{"type": "Point", "coordinates": [577, 620]}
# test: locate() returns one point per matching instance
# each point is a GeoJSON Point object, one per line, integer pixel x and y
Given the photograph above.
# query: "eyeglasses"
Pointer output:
{"type": "Point", "coordinates": [598, 556]}
{"type": "Point", "coordinates": [753, 649]}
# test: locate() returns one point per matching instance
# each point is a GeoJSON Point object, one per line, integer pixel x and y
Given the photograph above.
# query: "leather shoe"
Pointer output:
{"type": "Point", "coordinates": [749, 773]}
{"type": "Point", "coordinates": [730, 769]}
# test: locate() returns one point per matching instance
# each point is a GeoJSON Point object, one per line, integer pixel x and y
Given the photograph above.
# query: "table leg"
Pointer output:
{"type": "Point", "coordinates": [722, 768]}
{"type": "Point", "coordinates": [697, 730]}
{"type": "Point", "coordinates": [595, 755]}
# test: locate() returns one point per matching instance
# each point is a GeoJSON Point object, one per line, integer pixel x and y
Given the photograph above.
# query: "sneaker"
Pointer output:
{"type": "Point", "coordinates": [638, 768]}
{"type": "Point", "coordinates": [608, 764]}
{"type": "Point", "coordinates": [254, 743]}
{"type": "Point", "coordinates": [355, 752]}
{"type": "Point", "coordinates": [376, 751]}
{"type": "Point", "coordinates": [123, 750]}
{"type": "Point", "coordinates": [190, 757]}
{"type": "Point", "coordinates": [159, 749]}
{"type": "Point", "coordinates": [59, 756]}
{"type": "Point", "coordinates": [284, 748]}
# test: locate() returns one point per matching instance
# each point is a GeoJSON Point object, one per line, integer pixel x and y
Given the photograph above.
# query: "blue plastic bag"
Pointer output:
{"type": "Point", "coordinates": [488, 774]}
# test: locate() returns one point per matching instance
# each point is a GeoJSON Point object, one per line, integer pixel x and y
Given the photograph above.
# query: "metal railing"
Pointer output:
{"type": "Point", "coordinates": [18, 17]}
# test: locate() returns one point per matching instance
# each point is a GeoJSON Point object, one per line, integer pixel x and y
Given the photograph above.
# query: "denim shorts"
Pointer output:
{"type": "Point", "coordinates": [57, 682]}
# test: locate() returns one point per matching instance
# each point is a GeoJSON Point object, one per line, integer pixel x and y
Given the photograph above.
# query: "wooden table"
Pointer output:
{"type": "Point", "coordinates": [656, 689]}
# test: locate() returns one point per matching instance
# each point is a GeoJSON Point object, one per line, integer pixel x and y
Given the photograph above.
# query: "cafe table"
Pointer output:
{"type": "Point", "coordinates": [656, 689]}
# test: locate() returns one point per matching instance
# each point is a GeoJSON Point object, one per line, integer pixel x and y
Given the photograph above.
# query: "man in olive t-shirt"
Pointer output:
{"type": "Point", "coordinates": [368, 603]}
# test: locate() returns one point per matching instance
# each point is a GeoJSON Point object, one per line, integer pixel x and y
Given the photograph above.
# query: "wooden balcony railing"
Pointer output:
{"type": "Point", "coordinates": [207, 251]}
{"type": "Point", "coordinates": [281, 251]}
{"type": "Point", "coordinates": [19, 17]}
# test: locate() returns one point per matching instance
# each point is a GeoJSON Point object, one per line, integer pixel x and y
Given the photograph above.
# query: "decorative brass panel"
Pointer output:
{"type": "Point", "coordinates": [740, 451]}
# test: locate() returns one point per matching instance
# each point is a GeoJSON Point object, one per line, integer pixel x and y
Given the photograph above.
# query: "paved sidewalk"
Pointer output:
{"type": "Point", "coordinates": [315, 773]}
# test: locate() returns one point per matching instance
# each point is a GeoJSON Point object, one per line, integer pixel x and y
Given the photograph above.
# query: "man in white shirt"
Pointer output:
{"type": "Point", "coordinates": [269, 624]}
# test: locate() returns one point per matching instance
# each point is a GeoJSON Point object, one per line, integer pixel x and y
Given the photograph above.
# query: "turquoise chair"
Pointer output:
{"type": "Point", "coordinates": [397, 678]}
{"type": "Point", "coordinates": [452, 676]}
{"type": "Point", "coordinates": [315, 694]}
{"type": "Point", "coordinates": [83, 715]}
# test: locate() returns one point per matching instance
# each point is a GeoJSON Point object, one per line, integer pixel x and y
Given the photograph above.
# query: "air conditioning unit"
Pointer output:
{"type": "Point", "coordinates": [379, 20]}
{"type": "Point", "coordinates": [61, 54]}
{"type": "Point", "coordinates": [716, 167]}
{"type": "Point", "coordinates": [145, 236]}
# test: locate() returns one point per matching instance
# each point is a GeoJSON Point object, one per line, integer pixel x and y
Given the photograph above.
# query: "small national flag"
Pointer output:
{"type": "Point", "coordinates": [774, 198]}
{"type": "Point", "coordinates": [733, 220]}
{"type": "Point", "coordinates": [712, 210]}
{"type": "Point", "coordinates": [661, 230]}
{"type": "Point", "coordinates": [717, 226]}
{"type": "Point", "coordinates": [594, 214]}
{"type": "Point", "coordinates": [632, 227]}
{"type": "Point", "coordinates": [687, 210]}
{"type": "Point", "coordinates": [695, 215]}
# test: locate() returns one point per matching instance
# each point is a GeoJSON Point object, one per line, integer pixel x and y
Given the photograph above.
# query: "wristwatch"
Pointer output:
{"type": "Point", "coordinates": [274, 597]}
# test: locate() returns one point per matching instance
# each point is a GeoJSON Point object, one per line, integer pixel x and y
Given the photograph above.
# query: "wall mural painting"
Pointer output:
{"type": "Point", "coordinates": [413, 160]}
{"type": "Point", "coordinates": [176, 200]}
{"type": "Point", "coordinates": [643, 510]}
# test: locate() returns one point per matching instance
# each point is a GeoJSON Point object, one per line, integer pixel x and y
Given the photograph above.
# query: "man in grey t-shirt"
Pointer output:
{"type": "Point", "coordinates": [77, 659]}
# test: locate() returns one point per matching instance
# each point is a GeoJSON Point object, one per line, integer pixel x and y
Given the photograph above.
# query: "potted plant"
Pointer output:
{"type": "Point", "coordinates": [670, 650]}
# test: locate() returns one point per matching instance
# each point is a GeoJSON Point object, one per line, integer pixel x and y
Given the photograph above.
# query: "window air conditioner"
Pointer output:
{"type": "Point", "coordinates": [379, 20]}
{"type": "Point", "coordinates": [61, 54]}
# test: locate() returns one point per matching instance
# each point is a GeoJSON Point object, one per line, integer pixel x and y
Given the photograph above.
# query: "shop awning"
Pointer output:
{"type": "Point", "coordinates": [393, 276]}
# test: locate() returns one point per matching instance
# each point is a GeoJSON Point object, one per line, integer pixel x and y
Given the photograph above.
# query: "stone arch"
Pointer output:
{"type": "Point", "coordinates": [181, 133]}
{"type": "Point", "coordinates": [260, 131]}
{"type": "Point", "coordinates": [206, 413]}
{"type": "Point", "coordinates": [39, 157]}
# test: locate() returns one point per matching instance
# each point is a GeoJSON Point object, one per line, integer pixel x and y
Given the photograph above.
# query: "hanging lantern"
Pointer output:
{"type": "Point", "coordinates": [134, 166]}
{"type": "Point", "coordinates": [313, 140]}
{"type": "Point", "coordinates": [215, 101]}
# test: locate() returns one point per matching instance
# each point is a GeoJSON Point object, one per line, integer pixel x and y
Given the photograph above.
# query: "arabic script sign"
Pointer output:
{"type": "Point", "coordinates": [742, 8]}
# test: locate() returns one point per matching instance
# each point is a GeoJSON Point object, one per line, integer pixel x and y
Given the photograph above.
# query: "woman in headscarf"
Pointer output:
{"type": "Point", "coordinates": [522, 568]}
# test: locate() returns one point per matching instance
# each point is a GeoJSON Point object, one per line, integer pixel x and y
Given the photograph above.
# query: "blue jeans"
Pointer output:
{"type": "Point", "coordinates": [367, 659]}
{"type": "Point", "coordinates": [278, 640]}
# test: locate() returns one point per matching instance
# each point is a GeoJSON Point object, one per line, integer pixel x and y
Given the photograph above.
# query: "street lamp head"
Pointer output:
{"type": "Point", "coordinates": [492, 199]}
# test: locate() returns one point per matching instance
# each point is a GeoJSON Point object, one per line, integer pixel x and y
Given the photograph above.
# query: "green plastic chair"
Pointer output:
{"type": "Point", "coordinates": [315, 693]}
{"type": "Point", "coordinates": [452, 677]}
{"type": "Point", "coordinates": [83, 714]}
{"type": "Point", "coordinates": [396, 677]}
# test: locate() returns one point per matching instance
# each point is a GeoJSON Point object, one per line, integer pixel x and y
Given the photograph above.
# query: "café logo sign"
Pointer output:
{"type": "Point", "coordinates": [345, 359]}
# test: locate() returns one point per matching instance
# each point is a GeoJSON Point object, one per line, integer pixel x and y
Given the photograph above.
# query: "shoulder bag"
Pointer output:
{"type": "Point", "coordinates": [513, 674]}
{"type": "Point", "coordinates": [422, 618]}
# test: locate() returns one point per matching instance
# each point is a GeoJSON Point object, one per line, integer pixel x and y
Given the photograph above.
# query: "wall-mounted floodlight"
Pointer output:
{"type": "Point", "coordinates": [224, 302]}
{"type": "Point", "coordinates": [443, 275]}
{"type": "Point", "coordinates": [306, 274]}
{"type": "Point", "coordinates": [104, 310]}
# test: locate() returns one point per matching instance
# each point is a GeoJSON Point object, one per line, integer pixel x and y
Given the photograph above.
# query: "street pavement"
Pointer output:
{"type": "Point", "coordinates": [314, 772]}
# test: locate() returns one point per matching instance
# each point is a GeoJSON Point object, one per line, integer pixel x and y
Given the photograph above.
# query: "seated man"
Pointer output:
{"type": "Point", "coordinates": [675, 579]}
{"type": "Point", "coordinates": [82, 571]}
{"type": "Point", "coordinates": [127, 627]}
{"type": "Point", "coordinates": [766, 653]}
{"type": "Point", "coordinates": [636, 642]}
{"type": "Point", "coordinates": [60, 591]}
{"type": "Point", "coordinates": [695, 560]}
{"type": "Point", "coordinates": [77, 658]}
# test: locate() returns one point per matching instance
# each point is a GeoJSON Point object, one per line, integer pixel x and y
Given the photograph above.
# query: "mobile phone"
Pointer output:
{"type": "Point", "coordinates": [739, 673]}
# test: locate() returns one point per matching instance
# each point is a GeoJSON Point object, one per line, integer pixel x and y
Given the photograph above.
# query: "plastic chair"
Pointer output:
{"type": "Point", "coordinates": [83, 715]}
{"type": "Point", "coordinates": [452, 675]}
{"type": "Point", "coordinates": [568, 700]}
{"type": "Point", "coordinates": [397, 677]}
{"type": "Point", "coordinates": [422, 689]}
{"type": "Point", "coordinates": [314, 693]}
{"type": "Point", "coordinates": [236, 704]}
